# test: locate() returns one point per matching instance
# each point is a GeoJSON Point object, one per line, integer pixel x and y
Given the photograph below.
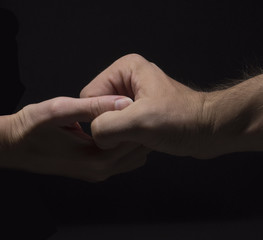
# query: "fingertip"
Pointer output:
{"type": "Point", "coordinates": [122, 103]}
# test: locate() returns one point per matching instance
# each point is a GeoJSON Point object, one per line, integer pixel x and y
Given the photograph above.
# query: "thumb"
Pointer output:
{"type": "Point", "coordinates": [114, 127]}
{"type": "Point", "coordinates": [62, 111]}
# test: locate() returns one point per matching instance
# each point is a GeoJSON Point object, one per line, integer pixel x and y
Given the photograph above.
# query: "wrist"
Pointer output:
{"type": "Point", "coordinates": [219, 121]}
{"type": "Point", "coordinates": [207, 135]}
{"type": "Point", "coordinates": [234, 118]}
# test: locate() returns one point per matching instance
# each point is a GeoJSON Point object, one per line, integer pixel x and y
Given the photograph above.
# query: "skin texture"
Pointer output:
{"type": "Point", "coordinates": [166, 115]}
{"type": "Point", "coordinates": [46, 138]}
{"type": "Point", "coordinates": [163, 115]}
{"type": "Point", "coordinates": [236, 117]}
{"type": "Point", "coordinates": [170, 117]}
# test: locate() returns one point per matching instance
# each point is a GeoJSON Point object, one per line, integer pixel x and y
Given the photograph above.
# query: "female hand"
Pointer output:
{"type": "Point", "coordinates": [46, 138]}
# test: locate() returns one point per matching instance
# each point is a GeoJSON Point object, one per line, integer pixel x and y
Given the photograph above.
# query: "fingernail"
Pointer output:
{"type": "Point", "coordinates": [122, 103]}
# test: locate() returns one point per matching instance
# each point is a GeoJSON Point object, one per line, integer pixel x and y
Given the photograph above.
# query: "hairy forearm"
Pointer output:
{"type": "Point", "coordinates": [235, 117]}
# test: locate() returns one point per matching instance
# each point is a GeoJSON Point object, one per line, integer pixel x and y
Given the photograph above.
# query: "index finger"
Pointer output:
{"type": "Point", "coordinates": [62, 111]}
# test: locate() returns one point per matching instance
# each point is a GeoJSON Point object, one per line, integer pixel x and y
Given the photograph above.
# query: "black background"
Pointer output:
{"type": "Point", "coordinates": [56, 49]}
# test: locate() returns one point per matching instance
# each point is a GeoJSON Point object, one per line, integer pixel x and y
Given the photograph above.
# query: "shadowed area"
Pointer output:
{"type": "Point", "coordinates": [62, 47]}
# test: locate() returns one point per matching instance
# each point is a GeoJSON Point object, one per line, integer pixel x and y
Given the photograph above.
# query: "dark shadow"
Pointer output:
{"type": "Point", "coordinates": [167, 189]}
{"type": "Point", "coordinates": [11, 87]}
{"type": "Point", "coordinates": [22, 213]}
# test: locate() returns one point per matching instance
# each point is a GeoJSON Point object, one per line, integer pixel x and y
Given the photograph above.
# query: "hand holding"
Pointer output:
{"type": "Point", "coordinates": [166, 115]}
{"type": "Point", "coordinates": [46, 138]}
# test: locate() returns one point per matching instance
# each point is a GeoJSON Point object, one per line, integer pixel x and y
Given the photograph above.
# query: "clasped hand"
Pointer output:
{"type": "Point", "coordinates": [164, 115]}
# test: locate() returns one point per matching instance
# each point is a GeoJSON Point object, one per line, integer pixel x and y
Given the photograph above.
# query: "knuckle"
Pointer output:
{"type": "Point", "coordinates": [135, 59]}
{"type": "Point", "coordinates": [149, 115]}
{"type": "Point", "coordinates": [134, 56]}
{"type": "Point", "coordinates": [56, 106]}
{"type": "Point", "coordinates": [23, 118]}
{"type": "Point", "coordinates": [19, 125]}
{"type": "Point", "coordinates": [95, 108]}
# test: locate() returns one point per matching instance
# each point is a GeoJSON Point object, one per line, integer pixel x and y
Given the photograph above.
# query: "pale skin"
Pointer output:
{"type": "Point", "coordinates": [46, 138]}
{"type": "Point", "coordinates": [164, 115]}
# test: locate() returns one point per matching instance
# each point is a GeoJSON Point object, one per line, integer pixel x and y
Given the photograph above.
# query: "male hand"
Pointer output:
{"type": "Point", "coordinates": [46, 138]}
{"type": "Point", "coordinates": [166, 115]}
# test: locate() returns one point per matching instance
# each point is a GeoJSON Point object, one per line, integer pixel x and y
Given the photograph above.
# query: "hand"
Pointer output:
{"type": "Point", "coordinates": [166, 115]}
{"type": "Point", "coordinates": [46, 138]}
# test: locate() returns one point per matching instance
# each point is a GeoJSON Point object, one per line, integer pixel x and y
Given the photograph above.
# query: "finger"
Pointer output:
{"type": "Point", "coordinates": [99, 165]}
{"type": "Point", "coordinates": [113, 127]}
{"type": "Point", "coordinates": [118, 78]}
{"type": "Point", "coordinates": [109, 156]}
{"type": "Point", "coordinates": [131, 161]}
{"type": "Point", "coordinates": [63, 111]}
